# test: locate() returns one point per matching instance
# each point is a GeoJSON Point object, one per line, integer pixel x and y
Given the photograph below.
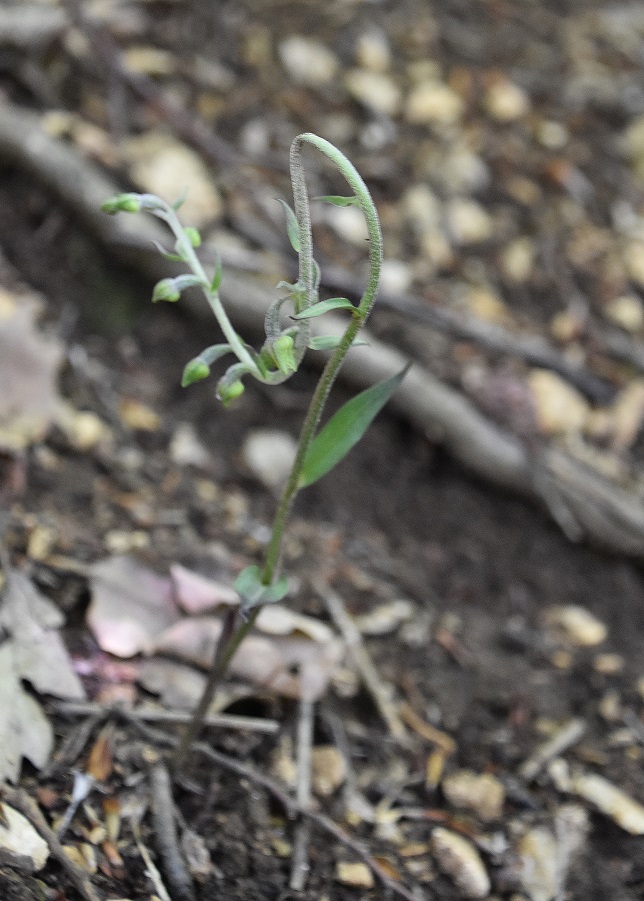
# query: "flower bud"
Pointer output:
{"type": "Point", "coordinates": [196, 370]}
{"type": "Point", "coordinates": [166, 289]}
{"type": "Point", "coordinates": [283, 349]}
{"type": "Point", "coordinates": [227, 393]}
{"type": "Point", "coordinates": [122, 203]}
{"type": "Point", "coordinates": [193, 236]}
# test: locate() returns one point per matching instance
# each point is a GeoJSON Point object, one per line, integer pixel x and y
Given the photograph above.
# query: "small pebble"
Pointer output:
{"type": "Point", "coordinates": [269, 454]}
{"type": "Point", "coordinates": [357, 875]}
{"type": "Point", "coordinates": [539, 863]}
{"type": "Point", "coordinates": [634, 261]}
{"type": "Point", "coordinates": [579, 626]}
{"type": "Point", "coordinates": [505, 101]}
{"type": "Point", "coordinates": [517, 260]}
{"type": "Point", "coordinates": [483, 794]}
{"type": "Point", "coordinates": [433, 103]}
{"type": "Point", "coordinates": [373, 51]}
{"type": "Point", "coordinates": [609, 800]}
{"type": "Point", "coordinates": [552, 135]}
{"type": "Point", "coordinates": [608, 664]}
{"type": "Point", "coordinates": [467, 221]}
{"type": "Point", "coordinates": [375, 90]}
{"type": "Point", "coordinates": [348, 223]}
{"type": "Point", "coordinates": [329, 770]}
{"type": "Point", "coordinates": [396, 276]}
{"type": "Point", "coordinates": [627, 311]}
{"type": "Point", "coordinates": [560, 410]}
{"type": "Point", "coordinates": [459, 859]}
{"type": "Point", "coordinates": [307, 61]}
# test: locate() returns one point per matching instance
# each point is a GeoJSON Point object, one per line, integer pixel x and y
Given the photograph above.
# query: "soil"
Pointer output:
{"type": "Point", "coordinates": [398, 518]}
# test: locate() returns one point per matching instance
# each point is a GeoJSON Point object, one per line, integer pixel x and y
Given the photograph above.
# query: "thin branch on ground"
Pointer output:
{"type": "Point", "coordinates": [380, 691]}
{"type": "Point", "coordinates": [20, 800]}
{"type": "Point", "coordinates": [300, 860]}
{"type": "Point", "coordinates": [564, 738]}
{"type": "Point", "coordinates": [165, 834]}
{"type": "Point", "coordinates": [150, 866]}
{"type": "Point", "coordinates": [181, 717]}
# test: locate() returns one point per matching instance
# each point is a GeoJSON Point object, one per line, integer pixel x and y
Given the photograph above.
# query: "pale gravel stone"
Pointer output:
{"type": "Point", "coordinates": [517, 259]}
{"type": "Point", "coordinates": [459, 859]}
{"type": "Point", "coordinates": [467, 221]}
{"type": "Point", "coordinates": [481, 793]}
{"type": "Point", "coordinates": [505, 101]}
{"type": "Point", "coordinates": [269, 454]}
{"type": "Point", "coordinates": [434, 103]}
{"type": "Point", "coordinates": [375, 90]}
{"type": "Point", "coordinates": [373, 51]}
{"type": "Point", "coordinates": [307, 61]}
{"type": "Point", "coordinates": [580, 626]}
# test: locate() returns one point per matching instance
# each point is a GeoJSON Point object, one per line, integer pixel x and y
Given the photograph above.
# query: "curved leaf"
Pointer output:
{"type": "Point", "coordinates": [253, 592]}
{"type": "Point", "coordinates": [325, 306]}
{"type": "Point", "coordinates": [346, 428]}
{"type": "Point", "coordinates": [292, 228]}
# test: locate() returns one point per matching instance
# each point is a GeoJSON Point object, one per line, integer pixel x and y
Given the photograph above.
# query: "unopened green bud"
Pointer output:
{"type": "Point", "coordinates": [193, 236]}
{"type": "Point", "coordinates": [196, 370]}
{"type": "Point", "coordinates": [122, 203]}
{"type": "Point", "coordinates": [227, 393]}
{"type": "Point", "coordinates": [284, 352]}
{"type": "Point", "coordinates": [166, 289]}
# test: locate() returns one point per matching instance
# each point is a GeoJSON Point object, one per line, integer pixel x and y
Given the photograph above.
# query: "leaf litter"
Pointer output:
{"type": "Point", "coordinates": [135, 611]}
{"type": "Point", "coordinates": [33, 652]}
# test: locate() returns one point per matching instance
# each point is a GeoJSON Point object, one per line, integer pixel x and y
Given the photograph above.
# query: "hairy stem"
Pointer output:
{"type": "Point", "coordinates": [236, 627]}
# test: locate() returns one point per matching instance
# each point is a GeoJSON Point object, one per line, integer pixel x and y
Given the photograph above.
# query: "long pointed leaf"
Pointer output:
{"type": "Point", "coordinates": [292, 228]}
{"type": "Point", "coordinates": [346, 428]}
{"type": "Point", "coordinates": [325, 306]}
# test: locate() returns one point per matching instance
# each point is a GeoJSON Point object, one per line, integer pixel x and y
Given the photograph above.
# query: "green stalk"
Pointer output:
{"type": "Point", "coordinates": [234, 631]}
{"type": "Point", "coordinates": [192, 260]}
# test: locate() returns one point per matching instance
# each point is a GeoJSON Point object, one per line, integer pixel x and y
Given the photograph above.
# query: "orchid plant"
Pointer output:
{"type": "Point", "coordinates": [288, 337]}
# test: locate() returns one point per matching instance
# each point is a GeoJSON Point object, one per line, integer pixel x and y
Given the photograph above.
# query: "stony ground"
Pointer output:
{"type": "Point", "coordinates": [504, 145]}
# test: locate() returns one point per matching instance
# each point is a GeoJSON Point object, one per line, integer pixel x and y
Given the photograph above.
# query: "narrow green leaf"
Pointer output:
{"type": "Point", "coordinates": [216, 279]}
{"type": "Point", "coordinates": [339, 200]}
{"type": "Point", "coordinates": [292, 228]}
{"type": "Point", "coordinates": [330, 342]}
{"type": "Point", "coordinates": [346, 428]}
{"type": "Point", "coordinates": [252, 591]}
{"type": "Point", "coordinates": [325, 306]}
{"type": "Point", "coordinates": [180, 202]}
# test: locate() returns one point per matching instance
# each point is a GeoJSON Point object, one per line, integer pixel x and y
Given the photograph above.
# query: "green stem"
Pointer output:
{"type": "Point", "coordinates": [191, 259]}
{"type": "Point", "coordinates": [234, 631]}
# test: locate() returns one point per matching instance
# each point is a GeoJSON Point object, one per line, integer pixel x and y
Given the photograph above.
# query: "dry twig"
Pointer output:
{"type": "Point", "coordinates": [300, 859]}
{"type": "Point", "coordinates": [380, 691]}
{"type": "Point", "coordinates": [181, 717]}
{"type": "Point", "coordinates": [165, 834]}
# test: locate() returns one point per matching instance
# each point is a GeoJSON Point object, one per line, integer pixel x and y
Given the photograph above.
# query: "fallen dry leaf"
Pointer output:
{"type": "Point", "coordinates": [25, 731]}
{"type": "Point", "coordinates": [291, 666]}
{"type": "Point", "coordinates": [20, 844]}
{"type": "Point", "coordinates": [197, 594]}
{"type": "Point", "coordinates": [33, 651]}
{"type": "Point", "coordinates": [131, 605]}
{"type": "Point", "coordinates": [40, 657]}
{"type": "Point", "coordinates": [29, 365]}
